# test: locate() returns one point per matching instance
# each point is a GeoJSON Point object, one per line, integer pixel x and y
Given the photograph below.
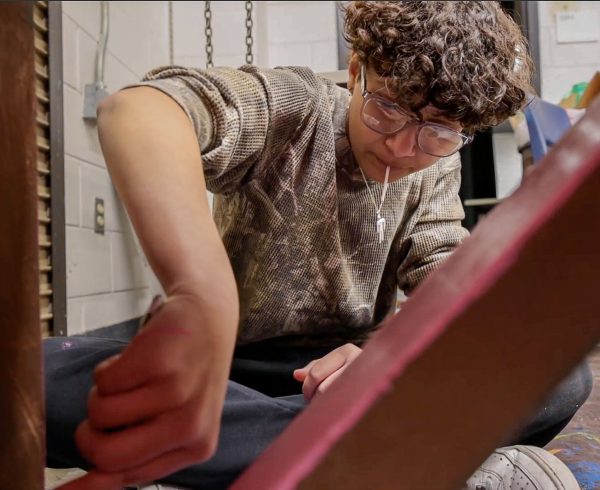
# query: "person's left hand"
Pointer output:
{"type": "Point", "coordinates": [318, 375]}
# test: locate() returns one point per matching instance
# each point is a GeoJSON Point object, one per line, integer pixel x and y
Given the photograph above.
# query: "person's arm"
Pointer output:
{"type": "Point", "coordinates": [162, 397]}
{"type": "Point", "coordinates": [438, 231]}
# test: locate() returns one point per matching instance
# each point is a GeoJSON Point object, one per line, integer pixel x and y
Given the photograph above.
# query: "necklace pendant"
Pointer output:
{"type": "Point", "coordinates": [380, 228]}
{"type": "Point", "coordinates": [380, 223]}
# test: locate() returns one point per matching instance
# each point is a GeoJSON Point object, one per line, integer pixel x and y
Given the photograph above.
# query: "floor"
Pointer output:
{"type": "Point", "coordinates": [578, 445]}
{"type": "Point", "coordinates": [55, 477]}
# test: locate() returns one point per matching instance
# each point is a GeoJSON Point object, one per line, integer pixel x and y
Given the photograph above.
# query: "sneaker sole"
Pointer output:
{"type": "Point", "coordinates": [555, 469]}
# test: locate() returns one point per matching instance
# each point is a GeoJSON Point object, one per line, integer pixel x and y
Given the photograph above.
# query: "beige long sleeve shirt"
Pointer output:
{"type": "Point", "coordinates": [293, 211]}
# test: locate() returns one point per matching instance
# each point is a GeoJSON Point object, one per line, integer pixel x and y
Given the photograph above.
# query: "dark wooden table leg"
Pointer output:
{"type": "Point", "coordinates": [21, 401]}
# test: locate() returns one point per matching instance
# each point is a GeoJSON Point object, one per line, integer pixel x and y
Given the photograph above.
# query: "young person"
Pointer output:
{"type": "Point", "coordinates": [327, 201]}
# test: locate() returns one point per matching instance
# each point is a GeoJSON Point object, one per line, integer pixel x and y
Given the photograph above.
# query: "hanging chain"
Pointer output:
{"type": "Point", "coordinates": [171, 43]}
{"type": "Point", "coordinates": [208, 34]}
{"type": "Point", "coordinates": [249, 38]}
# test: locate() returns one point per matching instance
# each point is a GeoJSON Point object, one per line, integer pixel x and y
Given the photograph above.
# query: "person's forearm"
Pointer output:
{"type": "Point", "coordinates": [154, 160]}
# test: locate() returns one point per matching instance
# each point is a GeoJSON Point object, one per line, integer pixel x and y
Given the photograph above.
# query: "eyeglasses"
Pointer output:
{"type": "Point", "coordinates": [388, 118]}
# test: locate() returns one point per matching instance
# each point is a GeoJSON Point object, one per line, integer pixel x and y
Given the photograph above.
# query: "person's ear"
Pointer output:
{"type": "Point", "coordinates": [353, 71]}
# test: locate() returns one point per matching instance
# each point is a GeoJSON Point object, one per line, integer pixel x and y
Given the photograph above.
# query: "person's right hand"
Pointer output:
{"type": "Point", "coordinates": [156, 407]}
{"type": "Point", "coordinates": [318, 375]}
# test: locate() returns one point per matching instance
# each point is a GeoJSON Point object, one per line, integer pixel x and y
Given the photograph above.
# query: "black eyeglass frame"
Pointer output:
{"type": "Point", "coordinates": [466, 139]}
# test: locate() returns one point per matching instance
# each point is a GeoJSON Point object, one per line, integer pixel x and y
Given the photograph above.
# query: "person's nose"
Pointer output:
{"type": "Point", "coordinates": [404, 142]}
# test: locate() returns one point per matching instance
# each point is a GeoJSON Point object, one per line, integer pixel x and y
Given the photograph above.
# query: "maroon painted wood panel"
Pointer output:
{"type": "Point", "coordinates": [472, 353]}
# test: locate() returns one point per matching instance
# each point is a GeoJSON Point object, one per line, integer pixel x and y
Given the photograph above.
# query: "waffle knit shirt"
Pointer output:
{"type": "Point", "coordinates": [294, 213]}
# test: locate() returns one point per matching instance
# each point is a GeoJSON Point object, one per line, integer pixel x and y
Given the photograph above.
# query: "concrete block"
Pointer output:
{"type": "Point", "coordinates": [81, 137]}
{"type": "Point", "coordinates": [74, 316]}
{"type": "Point", "coordinates": [290, 54]}
{"type": "Point", "coordinates": [127, 262]}
{"type": "Point", "coordinates": [88, 262]}
{"type": "Point", "coordinates": [140, 46]}
{"type": "Point", "coordinates": [70, 52]}
{"type": "Point", "coordinates": [86, 59]}
{"type": "Point", "coordinates": [109, 309]}
{"type": "Point", "coordinates": [117, 75]}
{"type": "Point", "coordinates": [191, 61]}
{"type": "Point", "coordinates": [301, 22]}
{"type": "Point", "coordinates": [188, 28]}
{"type": "Point", "coordinates": [324, 55]}
{"type": "Point", "coordinates": [229, 32]}
{"type": "Point", "coordinates": [85, 14]}
{"type": "Point", "coordinates": [72, 192]}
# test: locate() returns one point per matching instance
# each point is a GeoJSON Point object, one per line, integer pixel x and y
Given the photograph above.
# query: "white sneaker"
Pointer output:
{"type": "Point", "coordinates": [508, 468]}
{"type": "Point", "coordinates": [522, 468]}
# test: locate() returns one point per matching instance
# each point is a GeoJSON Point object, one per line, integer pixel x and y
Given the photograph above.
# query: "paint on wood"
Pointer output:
{"type": "Point", "coordinates": [473, 352]}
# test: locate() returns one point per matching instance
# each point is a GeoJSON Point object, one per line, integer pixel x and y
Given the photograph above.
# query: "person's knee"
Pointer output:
{"type": "Point", "coordinates": [69, 364]}
{"type": "Point", "coordinates": [52, 345]}
{"type": "Point", "coordinates": [52, 348]}
{"type": "Point", "coordinates": [570, 394]}
{"type": "Point", "coordinates": [578, 385]}
{"type": "Point", "coordinates": [558, 409]}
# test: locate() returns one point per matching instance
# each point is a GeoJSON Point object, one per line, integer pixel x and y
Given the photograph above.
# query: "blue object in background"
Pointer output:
{"type": "Point", "coordinates": [546, 123]}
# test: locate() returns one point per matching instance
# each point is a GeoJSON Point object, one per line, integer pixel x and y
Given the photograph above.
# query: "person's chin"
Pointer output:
{"type": "Point", "coordinates": [396, 171]}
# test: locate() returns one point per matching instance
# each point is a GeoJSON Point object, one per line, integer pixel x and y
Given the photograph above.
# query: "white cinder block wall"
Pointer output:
{"type": "Point", "coordinates": [285, 33]}
{"type": "Point", "coordinates": [563, 65]}
{"type": "Point", "coordinates": [108, 279]}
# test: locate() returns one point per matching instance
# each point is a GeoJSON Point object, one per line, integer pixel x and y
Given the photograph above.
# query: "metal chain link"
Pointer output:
{"type": "Point", "coordinates": [171, 42]}
{"type": "Point", "coordinates": [208, 34]}
{"type": "Point", "coordinates": [249, 38]}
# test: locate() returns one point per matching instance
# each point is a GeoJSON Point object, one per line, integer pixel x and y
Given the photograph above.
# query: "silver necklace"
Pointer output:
{"type": "Point", "coordinates": [380, 223]}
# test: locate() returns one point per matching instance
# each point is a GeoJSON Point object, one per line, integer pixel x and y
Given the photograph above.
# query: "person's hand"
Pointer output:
{"type": "Point", "coordinates": [156, 407]}
{"type": "Point", "coordinates": [318, 375]}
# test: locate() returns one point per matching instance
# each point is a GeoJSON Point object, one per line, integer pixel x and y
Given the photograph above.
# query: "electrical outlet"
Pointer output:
{"type": "Point", "coordinates": [99, 216]}
{"type": "Point", "coordinates": [92, 97]}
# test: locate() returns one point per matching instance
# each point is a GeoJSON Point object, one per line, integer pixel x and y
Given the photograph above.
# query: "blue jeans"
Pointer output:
{"type": "Point", "coordinates": [262, 399]}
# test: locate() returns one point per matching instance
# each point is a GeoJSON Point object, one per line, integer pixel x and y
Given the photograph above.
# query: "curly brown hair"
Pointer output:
{"type": "Point", "coordinates": [468, 59]}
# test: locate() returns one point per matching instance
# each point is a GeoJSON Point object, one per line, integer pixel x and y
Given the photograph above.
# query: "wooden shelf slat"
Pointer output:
{"type": "Point", "coordinates": [43, 159]}
{"type": "Point", "coordinates": [41, 71]}
{"type": "Point", "coordinates": [40, 44]}
{"type": "Point", "coordinates": [42, 97]}
{"type": "Point", "coordinates": [40, 23]}
{"type": "Point", "coordinates": [43, 143]}
{"type": "Point", "coordinates": [42, 93]}
{"type": "Point", "coordinates": [42, 122]}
